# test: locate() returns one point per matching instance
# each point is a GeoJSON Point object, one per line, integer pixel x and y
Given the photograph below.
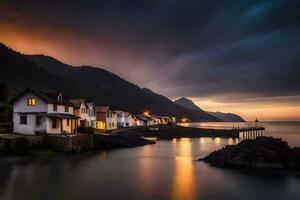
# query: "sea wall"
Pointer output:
{"type": "Point", "coordinates": [74, 143]}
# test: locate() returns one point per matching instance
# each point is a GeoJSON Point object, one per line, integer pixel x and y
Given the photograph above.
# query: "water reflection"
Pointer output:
{"type": "Point", "coordinates": [184, 177]}
{"type": "Point", "coordinates": [166, 170]}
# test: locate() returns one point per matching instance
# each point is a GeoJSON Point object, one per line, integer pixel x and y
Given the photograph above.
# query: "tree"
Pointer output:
{"type": "Point", "coordinates": [3, 93]}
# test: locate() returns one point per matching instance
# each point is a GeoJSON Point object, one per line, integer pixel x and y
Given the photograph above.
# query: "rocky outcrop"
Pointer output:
{"type": "Point", "coordinates": [262, 153]}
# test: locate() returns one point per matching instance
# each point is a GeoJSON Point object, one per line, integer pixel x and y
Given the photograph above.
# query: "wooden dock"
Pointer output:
{"type": "Point", "coordinates": [249, 132]}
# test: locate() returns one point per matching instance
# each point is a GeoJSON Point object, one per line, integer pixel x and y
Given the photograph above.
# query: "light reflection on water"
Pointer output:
{"type": "Point", "coordinates": [288, 131]}
{"type": "Point", "coordinates": [164, 171]}
{"type": "Point", "coordinates": [184, 177]}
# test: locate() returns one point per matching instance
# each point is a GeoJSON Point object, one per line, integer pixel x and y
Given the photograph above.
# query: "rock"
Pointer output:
{"type": "Point", "coordinates": [262, 153]}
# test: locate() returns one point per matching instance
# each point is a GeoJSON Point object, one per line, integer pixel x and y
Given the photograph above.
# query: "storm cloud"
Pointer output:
{"type": "Point", "coordinates": [195, 48]}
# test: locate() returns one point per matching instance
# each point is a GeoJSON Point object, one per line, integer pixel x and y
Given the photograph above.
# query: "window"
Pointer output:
{"type": "Point", "coordinates": [82, 110]}
{"type": "Point", "coordinates": [38, 120]}
{"type": "Point", "coordinates": [68, 122]}
{"type": "Point", "coordinates": [66, 108]}
{"type": "Point", "coordinates": [54, 123]}
{"type": "Point", "coordinates": [54, 107]}
{"type": "Point", "coordinates": [86, 111]}
{"type": "Point", "coordinates": [31, 102]}
{"type": "Point", "coordinates": [23, 119]}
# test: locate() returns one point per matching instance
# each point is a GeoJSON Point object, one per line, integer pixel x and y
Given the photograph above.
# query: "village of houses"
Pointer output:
{"type": "Point", "coordinates": [53, 113]}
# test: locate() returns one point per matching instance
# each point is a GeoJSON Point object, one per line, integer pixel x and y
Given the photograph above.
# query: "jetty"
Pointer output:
{"type": "Point", "coordinates": [177, 131]}
{"type": "Point", "coordinates": [249, 132]}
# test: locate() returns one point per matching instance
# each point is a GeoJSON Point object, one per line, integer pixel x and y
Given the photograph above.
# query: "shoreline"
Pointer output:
{"type": "Point", "coordinates": [116, 139]}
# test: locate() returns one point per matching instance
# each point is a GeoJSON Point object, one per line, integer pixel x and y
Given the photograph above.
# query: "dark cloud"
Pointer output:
{"type": "Point", "coordinates": [181, 48]}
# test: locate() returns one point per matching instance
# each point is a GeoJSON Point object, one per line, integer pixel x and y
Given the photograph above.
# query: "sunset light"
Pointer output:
{"type": "Point", "coordinates": [143, 99]}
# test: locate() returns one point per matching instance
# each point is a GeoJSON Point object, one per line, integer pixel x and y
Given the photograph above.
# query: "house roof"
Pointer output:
{"type": "Point", "coordinates": [62, 116]}
{"type": "Point", "coordinates": [77, 102]}
{"type": "Point", "coordinates": [48, 97]}
{"type": "Point", "coordinates": [140, 117]}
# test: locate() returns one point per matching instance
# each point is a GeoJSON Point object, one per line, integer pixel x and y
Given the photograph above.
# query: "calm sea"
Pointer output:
{"type": "Point", "coordinates": [166, 170]}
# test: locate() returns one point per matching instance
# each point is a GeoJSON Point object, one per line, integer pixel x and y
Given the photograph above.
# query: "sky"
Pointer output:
{"type": "Point", "coordinates": [231, 56]}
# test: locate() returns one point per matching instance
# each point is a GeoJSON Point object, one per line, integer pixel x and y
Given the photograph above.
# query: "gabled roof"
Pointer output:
{"type": "Point", "coordinates": [62, 116]}
{"type": "Point", "coordinates": [48, 97]}
{"type": "Point", "coordinates": [77, 102]}
{"type": "Point", "coordinates": [140, 117]}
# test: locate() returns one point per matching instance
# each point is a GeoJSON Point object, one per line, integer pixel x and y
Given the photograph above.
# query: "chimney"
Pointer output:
{"type": "Point", "coordinates": [60, 97]}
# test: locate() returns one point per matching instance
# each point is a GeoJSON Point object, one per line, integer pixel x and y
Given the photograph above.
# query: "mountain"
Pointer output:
{"type": "Point", "coordinates": [226, 117]}
{"type": "Point", "coordinates": [20, 71]}
{"type": "Point", "coordinates": [187, 103]}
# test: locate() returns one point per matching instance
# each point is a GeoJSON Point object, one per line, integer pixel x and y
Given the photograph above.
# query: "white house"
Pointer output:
{"type": "Point", "coordinates": [106, 118]}
{"type": "Point", "coordinates": [92, 113]}
{"type": "Point", "coordinates": [36, 112]}
{"type": "Point", "coordinates": [141, 120]}
{"type": "Point", "coordinates": [82, 110]}
{"type": "Point", "coordinates": [124, 119]}
{"type": "Point", "coordinates": [155, 120]}
{"type": "Point", "coordinates": [166, 120]}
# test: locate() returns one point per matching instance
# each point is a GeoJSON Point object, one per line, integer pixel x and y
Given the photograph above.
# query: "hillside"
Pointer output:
{"type": "Point", "coordinates": [187, 103]}
{"type": "Point", "coordinates": [20, 71]}
{"type": "Point", "coordinates": [226, 117]}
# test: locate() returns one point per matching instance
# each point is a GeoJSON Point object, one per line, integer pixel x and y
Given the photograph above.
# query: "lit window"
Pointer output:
{"type": "Point", "coordinates": [31, 102]}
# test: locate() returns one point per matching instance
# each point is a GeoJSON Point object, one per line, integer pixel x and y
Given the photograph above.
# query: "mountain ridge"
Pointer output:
{"type": "Point", "coordinates": [226, 117]}
{"type": "Point", "coordinates": [19, 71]}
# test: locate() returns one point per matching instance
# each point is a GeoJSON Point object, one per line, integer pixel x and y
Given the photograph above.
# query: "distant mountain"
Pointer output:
{"type": "Point", "coordinates": [20, 71]}
{"type": "Point", "coordinates": [187, 103]}
{"type": "Point", "coordinates": [226, 117]}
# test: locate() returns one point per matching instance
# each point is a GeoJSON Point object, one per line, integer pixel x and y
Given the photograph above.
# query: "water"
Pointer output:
{"type": "Point", "coordinates": [166, 170]}
{"type": "Point", "coordinates": [288, 131]}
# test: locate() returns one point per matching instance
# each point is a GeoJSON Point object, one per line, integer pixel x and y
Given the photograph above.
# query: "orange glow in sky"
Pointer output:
{"type": "Point", "coordinates": [60, 45]}
{"type": "Point", "coordinates": [266, 111]}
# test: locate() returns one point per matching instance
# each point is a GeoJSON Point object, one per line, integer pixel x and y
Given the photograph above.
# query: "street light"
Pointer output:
{"type": "Point", "coordinates": [146, 113]}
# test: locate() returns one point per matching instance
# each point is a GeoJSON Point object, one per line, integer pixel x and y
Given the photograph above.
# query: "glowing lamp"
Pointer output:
{"type": "Point", "coordinates": [184, 120]}
{"type": "Point", "coordinates": [146, 113]}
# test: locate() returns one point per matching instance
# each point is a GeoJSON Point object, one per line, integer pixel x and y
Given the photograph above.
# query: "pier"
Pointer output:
{"type": "Point", "coordinates": [249, 132]}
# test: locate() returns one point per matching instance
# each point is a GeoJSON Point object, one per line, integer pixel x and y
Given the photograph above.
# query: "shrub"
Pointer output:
{"type": "Point", "coordinates": [5, 113]}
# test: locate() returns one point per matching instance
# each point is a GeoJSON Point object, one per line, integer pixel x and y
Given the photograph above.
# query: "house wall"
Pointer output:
{"type": "Point", "coordinates": [60, 109]}
{"type": "Point", "coordinates": [53, 130]}
{"type": "Point", "coordinates": [83, 115]}
{"type": "Point", "coordinates": [20, 106]}
{"type": "Point", "coordinates": [129, 120]}
{"type": "Point", "coordinates": [92, 114]}
{"type": "Point", "coordinates": [111, 120]}
{"type": "Point", "coordinates": [125, 119]}
{"type": "Point", "coordinates": [140, 123]}
{"type": "Point", "coordinates": [66, 128]}
{"type": "Point", "coordinates": [28, 128]}
{"type": "Point", "coordinates": [101, 116]}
